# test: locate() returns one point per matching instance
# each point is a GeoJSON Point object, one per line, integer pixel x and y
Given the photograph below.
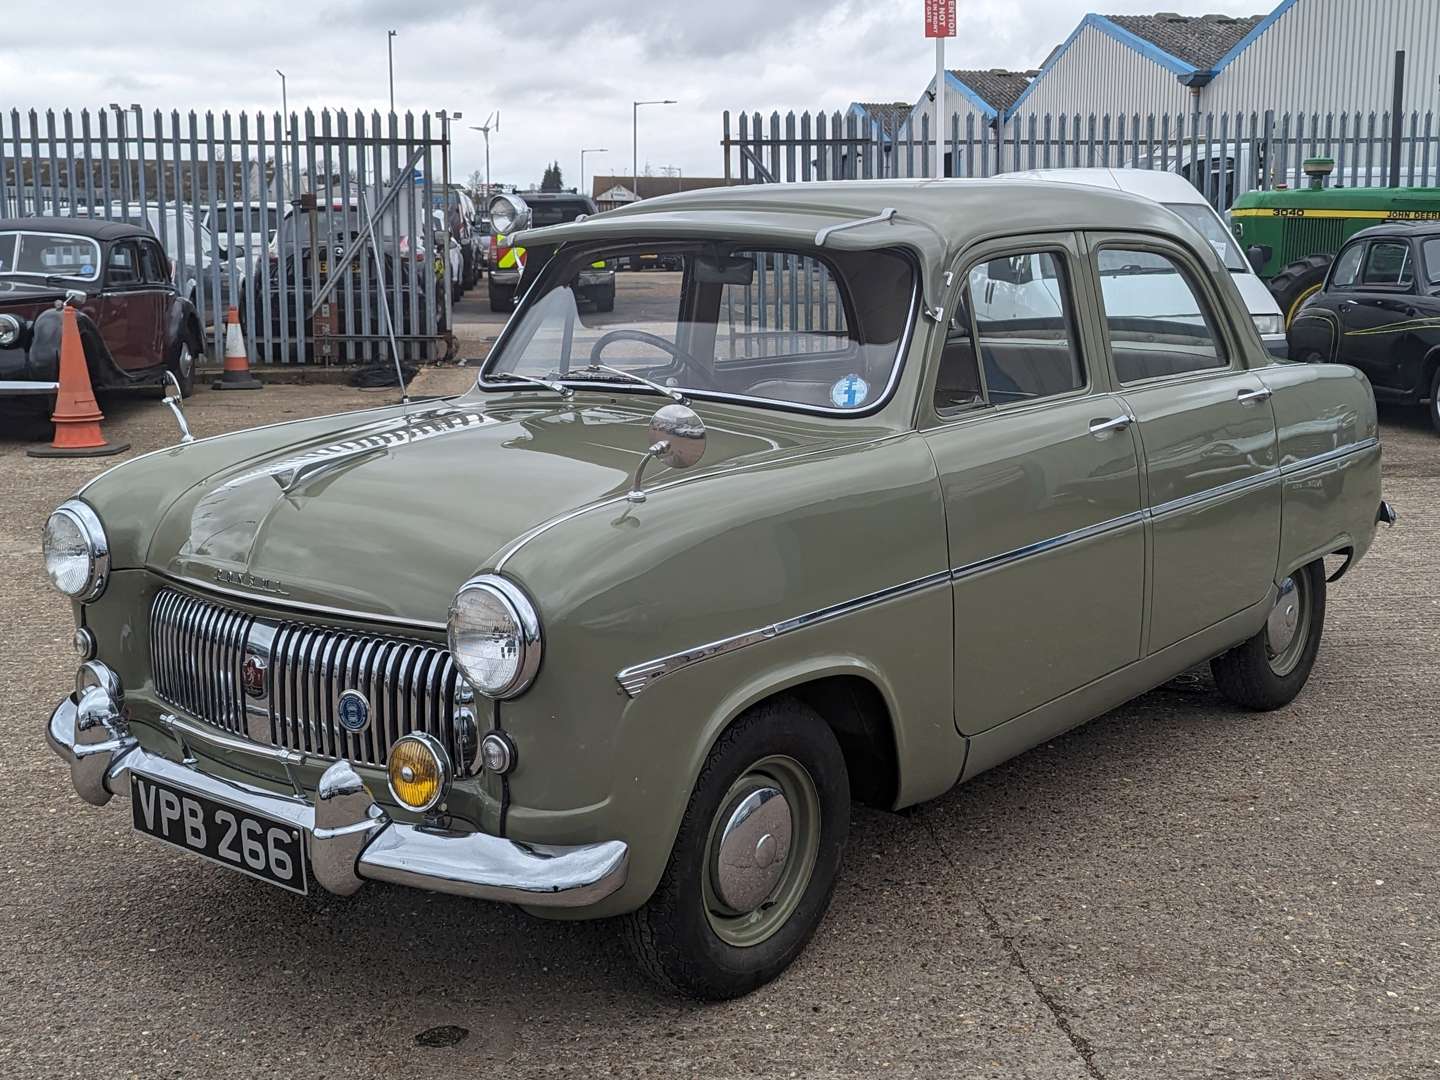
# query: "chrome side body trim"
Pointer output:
{"type": "Point", "coordinates": [637, 677]}
{"type": "Point", "coordinates": [1330, 455]}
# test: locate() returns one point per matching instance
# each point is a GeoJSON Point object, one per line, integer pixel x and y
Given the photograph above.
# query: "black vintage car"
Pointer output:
{"type": "Point", "coordinates": [1379, 310]}
{"type": "Point", "coordinates": [133, 325]}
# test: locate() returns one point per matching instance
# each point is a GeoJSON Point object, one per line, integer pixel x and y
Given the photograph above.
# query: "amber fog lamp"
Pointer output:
{"type": "Point", "coordinates": [419, 772]}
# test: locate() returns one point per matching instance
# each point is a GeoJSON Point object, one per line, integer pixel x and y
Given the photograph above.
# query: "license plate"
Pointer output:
{"type": "Point", "coordinates": [272, 851]}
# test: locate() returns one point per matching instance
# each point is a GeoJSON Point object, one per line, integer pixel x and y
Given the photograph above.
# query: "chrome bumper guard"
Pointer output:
{"type": "Point", "coordinates": [351, 839]}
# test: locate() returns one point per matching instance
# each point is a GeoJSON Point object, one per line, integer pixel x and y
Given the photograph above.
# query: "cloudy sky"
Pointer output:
{"type": "Point", "coordinates": [562, 72]}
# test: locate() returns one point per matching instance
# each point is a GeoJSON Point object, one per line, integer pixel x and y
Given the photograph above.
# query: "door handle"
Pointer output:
{"type": "Point", "coordinates": [1253, 397]}
{"type": "Point", "coordinates": [1104, 427]}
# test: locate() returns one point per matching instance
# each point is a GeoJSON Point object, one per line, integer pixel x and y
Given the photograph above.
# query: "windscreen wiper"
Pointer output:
{"type": "Point", "coordinates": [509, 376]}
{"type": "Point", "coordinates": [630, 376]}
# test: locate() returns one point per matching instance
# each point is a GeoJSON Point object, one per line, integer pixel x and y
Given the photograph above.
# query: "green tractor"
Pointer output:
{"type": "Point", "coordinates": [1291, 237]}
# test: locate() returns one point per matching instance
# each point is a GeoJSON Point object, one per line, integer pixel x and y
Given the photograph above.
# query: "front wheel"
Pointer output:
{"type": "Point", "coordinates": [1270, 669]}
{"type": "Point", "coordinates": [755, 860]}
{"type": "Point", "coordinates": [184, 370]}
{"type": "Point", "coordinates": [1297, 282]}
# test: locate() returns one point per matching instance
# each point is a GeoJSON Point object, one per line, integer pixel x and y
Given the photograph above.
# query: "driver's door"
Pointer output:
{"type": "Point", "coordinates": [132, 310]}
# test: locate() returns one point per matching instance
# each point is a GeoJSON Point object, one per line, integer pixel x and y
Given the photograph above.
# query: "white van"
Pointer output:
{"type": "Point", "coordinates": [1179, 196]}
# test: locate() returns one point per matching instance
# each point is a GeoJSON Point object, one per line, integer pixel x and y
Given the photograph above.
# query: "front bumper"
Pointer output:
{"type": "Point", "coordinates": [350, 838]}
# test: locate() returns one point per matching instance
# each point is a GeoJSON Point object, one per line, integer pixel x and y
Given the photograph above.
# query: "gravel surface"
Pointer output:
{"type": "Point", "coordinates": [1174, 890]}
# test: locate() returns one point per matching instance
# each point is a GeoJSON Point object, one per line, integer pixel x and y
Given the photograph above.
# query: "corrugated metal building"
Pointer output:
{"type": "Point", "coordinates": [1315, 56]}
{"type": "Point", "coordinates": [976, 99]}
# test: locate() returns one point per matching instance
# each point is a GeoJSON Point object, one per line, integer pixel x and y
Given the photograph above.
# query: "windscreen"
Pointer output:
{"type": "Point", "coordinates": [1205, 221]}
{"type": "Point", "coordinates": [49, 255]}
{"type": "Point", "coordinates": [805, 329]}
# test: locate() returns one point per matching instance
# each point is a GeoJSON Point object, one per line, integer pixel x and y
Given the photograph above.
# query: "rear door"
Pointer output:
{"type": "Point", "coordinates": [1206, 432]}
{"type": "Point", "coordinates": [1040, 475]}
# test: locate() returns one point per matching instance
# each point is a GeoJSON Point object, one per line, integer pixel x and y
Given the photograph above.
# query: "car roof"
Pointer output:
{"type": "Point", "coordinates": [94, 228]}
{"type": "Point", "coordinates": [1425, 229]}
{"type": "Point", "coordinates": [1157, 184]}
{"type": "Point", "coordinates": [935, 219]}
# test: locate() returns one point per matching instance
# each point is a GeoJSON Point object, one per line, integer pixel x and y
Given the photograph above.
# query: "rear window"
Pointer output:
{"type": "Point", "coordinates": [557, 213]}
{"type": "Point", "coordinates": [1432, 261]}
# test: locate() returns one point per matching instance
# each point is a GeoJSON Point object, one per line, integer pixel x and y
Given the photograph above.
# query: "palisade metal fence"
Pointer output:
{"type": "Point", "coordinates": [255, 211]}
{"type": "Point", "coordinates": [1223, 154]}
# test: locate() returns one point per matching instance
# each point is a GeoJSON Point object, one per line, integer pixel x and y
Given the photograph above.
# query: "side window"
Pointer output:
{"type": "Point", "coordinates": [1432, 261]}
{"type": "Point", "coordinates": [1157, 322]}
{"type": "Point", "coordinates": [1025, 326]}
{"type": "Point", "coordinates": [123, 267]}
{"type": "Point", "coordinates": [1347, 267]}
{"type": "Point", "coordinates": [1388, 263]}
{"type": "Point", "coordinates": [152, 264]}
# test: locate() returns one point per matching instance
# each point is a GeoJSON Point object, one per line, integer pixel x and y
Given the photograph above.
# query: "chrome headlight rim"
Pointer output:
{"type": "Point", "coordinates": [526, 618]}
{"type": "Point", "coordinates": [88, 522]}
{"type": "Point", "coordinates": [10, 328]}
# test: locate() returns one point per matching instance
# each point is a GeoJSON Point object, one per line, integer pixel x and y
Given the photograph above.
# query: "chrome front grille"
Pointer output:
{"type": "Point", "coordinates": [279, 681]}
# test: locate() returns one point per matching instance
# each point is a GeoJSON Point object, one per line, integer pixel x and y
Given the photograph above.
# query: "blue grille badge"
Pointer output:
{"type": "Point", "coordinates": [353, 711]}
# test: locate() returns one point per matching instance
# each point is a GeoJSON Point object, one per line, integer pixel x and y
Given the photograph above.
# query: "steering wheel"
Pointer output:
{"type": "Point", "coordinates": [679, 354]}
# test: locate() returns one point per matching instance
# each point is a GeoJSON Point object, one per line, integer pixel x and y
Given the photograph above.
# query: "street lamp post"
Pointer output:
{"type": "Point", "coordinates": [583, 152]}
{"type": "Point", "coordinates": [390, 48]}
{"type": "Point", "coordinates": [283, 133]}
{"type": "Point", "coordinates": [635, 140]}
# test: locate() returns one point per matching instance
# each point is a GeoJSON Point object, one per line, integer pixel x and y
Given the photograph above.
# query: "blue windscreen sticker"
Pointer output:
{"type": "Point", "coordinates": [86, 270]}
{"type": "Point", "coordinates": [849, 392]}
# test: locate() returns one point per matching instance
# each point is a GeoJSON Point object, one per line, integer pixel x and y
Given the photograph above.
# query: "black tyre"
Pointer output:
{"type": "Point", "coordinates": [755, 860]}
{"type": "Point", "coordinates": [605, 299]}
{"type": "Point", "coordinates": [502, 297]}
{"type": "Point", "coordinates": [27, 418]}
{"type": "Point", "coordinates": [1297, 282]}
{"type": "Point", "coordinates": [183, 368]}
{"type": "Point", "coordinates": [1271, 668]}
{"type": "Point", "coordinates": [1435, 399]}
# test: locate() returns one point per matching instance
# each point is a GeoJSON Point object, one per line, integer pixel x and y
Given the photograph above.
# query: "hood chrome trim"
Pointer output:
{"type": "Point", "coordinates": [273, 603]}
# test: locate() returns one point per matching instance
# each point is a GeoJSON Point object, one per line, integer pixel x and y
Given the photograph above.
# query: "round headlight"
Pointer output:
{"type": "Point", "coordinates": [9, 331]}
{"type": "Point", "coordinates": [418, 771]}
{"type": "Point", "coordinates": [77, 555]}
{"type": "Point", "coordinates": [508, 213]}
{"type": "Point", "coordinates": [495, 636]}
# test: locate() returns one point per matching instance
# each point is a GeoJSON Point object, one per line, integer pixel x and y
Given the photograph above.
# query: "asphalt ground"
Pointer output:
{"type": "Point", "coordinates": [1177, 889]}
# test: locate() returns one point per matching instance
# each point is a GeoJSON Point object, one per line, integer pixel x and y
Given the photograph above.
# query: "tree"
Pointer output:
{"type": "Point", "coordinates": [552, 180]}
{"type": "Point", "coordinates": [476, 184]}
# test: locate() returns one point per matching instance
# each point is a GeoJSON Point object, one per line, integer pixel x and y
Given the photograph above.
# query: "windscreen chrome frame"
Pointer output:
{"type": "Point", "coordinates": [544, 281]}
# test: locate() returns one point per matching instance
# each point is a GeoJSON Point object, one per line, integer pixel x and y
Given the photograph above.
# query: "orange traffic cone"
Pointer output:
{"type": "Point", "coordinates": [77, 416]}
{"type": "Point", "coordinates": [236, 375]}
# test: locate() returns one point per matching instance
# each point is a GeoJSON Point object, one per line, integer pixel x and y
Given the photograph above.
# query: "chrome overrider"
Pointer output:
{"type": "Point", "coordinates": [350, 838]}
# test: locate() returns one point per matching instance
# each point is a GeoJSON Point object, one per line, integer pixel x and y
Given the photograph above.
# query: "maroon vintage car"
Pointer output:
{"type": "Point", "coordinates": [133, 325]}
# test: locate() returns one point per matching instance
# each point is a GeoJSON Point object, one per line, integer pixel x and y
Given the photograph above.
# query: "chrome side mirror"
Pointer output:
{"type": "Point", "coordinates": [677, 441]}
{"type": "Point", "coordinates": [173, 397]}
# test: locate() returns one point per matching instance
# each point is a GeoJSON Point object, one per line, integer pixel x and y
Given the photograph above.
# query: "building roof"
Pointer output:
{"type": "Point", "coordinates": [651, 186]}
{"type": "Point", "coordinates": [1201, 41]}
{"type": "Point", "coordinates": [890, 115]}
{"type": "Point", "coordinates": [95, 228]}
{"type": "Point", "coordinates": [997, 87]}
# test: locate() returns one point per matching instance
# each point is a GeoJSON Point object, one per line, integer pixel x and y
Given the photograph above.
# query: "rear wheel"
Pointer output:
{"type": "Point", "coordinates": [1297, 282]}
{"type": "Point", "coordinates": [502, 297]}
{"type": "Point", "coordinates": [755, 860]}
{"type": "Point", "coordinates": [183, 368]}
{"type": "Point", "coordinates": [1271, 668]}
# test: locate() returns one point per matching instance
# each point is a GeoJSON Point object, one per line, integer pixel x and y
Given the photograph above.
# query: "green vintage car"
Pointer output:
{"type": "Point", "coordinates": [894, 481]}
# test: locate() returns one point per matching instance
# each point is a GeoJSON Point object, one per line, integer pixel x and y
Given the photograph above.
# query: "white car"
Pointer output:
{"type": "Point", "coordinates": [1180, 197]}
